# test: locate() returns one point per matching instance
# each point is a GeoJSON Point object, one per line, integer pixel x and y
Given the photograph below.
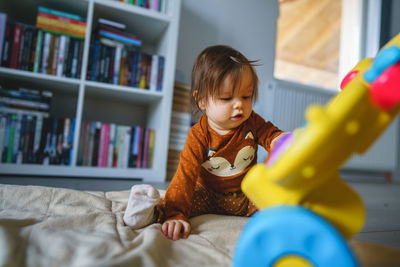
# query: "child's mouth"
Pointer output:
{"type": "Point", "coordinates": [237, 117]}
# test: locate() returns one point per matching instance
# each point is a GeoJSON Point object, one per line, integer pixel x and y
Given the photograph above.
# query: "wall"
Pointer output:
{"type": "Point", "coordinates": [249, 26]}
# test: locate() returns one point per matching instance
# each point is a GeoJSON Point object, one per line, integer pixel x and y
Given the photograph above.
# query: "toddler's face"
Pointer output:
{"type": "Point", "coordinates": [232, 107]}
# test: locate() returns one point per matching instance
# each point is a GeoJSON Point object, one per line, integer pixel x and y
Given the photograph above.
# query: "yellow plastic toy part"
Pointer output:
{"type": "Point", "coordinates": [307, 173]}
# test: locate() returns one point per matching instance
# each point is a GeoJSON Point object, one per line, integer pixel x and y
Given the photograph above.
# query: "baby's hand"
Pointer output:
{"type": "Point", "coordinates": [176, 229]}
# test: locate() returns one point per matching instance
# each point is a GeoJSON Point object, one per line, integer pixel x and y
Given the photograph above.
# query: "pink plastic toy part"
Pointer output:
{"type": "Point", "coordinates": [350, 76]}
{"type": "Point", "coordinates": [385, 90]}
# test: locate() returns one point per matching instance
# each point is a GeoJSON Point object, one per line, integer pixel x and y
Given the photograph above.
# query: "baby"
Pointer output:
{"type": "Point", "coordinates": [219, 150]}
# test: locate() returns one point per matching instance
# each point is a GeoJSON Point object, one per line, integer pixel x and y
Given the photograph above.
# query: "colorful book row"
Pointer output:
{"type": "Point", "coordinates": [156, 5]}
{"type": "Point", "coordinates": [26, 48]}
{"type": "Point", "coordinates": [115, 146]}
{"type": "Point", "coordinates": [112, 62]}
{"type": "Point", "coordinates": [32, 137]}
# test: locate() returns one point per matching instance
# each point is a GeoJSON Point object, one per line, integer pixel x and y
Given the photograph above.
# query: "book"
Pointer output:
{"type": "Point", "coordinates": [160, 73]}
{"type": "Point", "coordinates": [119, 37]}
{"type": "Point", "coordinates": [140, 148]}
{"type": "Point", "coordinates": [24, 104]}
{"type": "Point", "coordinates": [65, 145]}
{"type": "Point", "coordinates": [45, 52]}
{"type": "Point", "coordinates": [7, 45]}
{"type": "Point", "coordinates": [37, 138]}
{"type": "Point", "coordinates": [112, 24]}
{"type": "Point", "coordinates": [3, 27]}
{"type": "Point", "coordinates": [152, 141]}
{"type": "Point", "coordinates": [54, 55]}
{"type": "Point", "coordinates": [15, 46]}
{"type": "Point", "coordinates": [133, 158]}
{"type": "Point", "coordinates": [111, 146]}
{"type": "Point", "coordinates": [17, 149]}
{"type": "Point", "coordinates": [11, 136]}
{"type": "Point", "coordinates": [121, 145]}
{"type": "Point", "coordinates": [96, 144]}
{"type": "Point", "coordinates": [116, 146]}
{"type": "Point", "coordinates": [87, 143]}
{"type": "Point", "coordinates": [154, 73]}
{"type": "Point", "coordinates": [146, 142]}
{"type": "Point", "coordinates": [63, 47]}
{"type": "Point", "coordinates": [127, 139]}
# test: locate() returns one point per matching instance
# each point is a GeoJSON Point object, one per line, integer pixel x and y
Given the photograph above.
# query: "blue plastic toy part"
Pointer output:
{"type": "Point", "coordinates": [291, 236]}
{"type": "Point", "coordinates": [383, 60]}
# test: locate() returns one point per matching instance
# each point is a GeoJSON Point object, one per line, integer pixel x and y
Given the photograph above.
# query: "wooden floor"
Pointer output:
{"type": "Point", "coordinates": [383, 213]}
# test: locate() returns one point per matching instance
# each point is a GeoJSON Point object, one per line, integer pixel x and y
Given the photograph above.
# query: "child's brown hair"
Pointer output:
{"type": "Point", "coordinates": [211, 67]}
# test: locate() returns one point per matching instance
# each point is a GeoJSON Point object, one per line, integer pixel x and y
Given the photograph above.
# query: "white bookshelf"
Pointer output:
{"type": "Point", "coordinates": [96, 101]}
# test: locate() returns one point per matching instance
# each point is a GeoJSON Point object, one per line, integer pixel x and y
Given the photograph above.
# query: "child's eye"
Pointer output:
{"type": "Point", "coordinates": [246, 97]}
{"type": "Point", "coordinates": [225, 98]}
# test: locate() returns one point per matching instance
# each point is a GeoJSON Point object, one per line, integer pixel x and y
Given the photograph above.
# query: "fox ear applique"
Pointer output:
{"type": "Point", "coordinates": [211, 152]}
{"type": "Point", "coordinates": [249, 134]}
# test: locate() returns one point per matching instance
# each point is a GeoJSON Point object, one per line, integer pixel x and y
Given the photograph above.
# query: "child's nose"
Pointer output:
{"type": "Point", "coordinates": [238, 103]}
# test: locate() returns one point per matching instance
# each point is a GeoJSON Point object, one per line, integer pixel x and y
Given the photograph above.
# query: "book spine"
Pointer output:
{"type": "Point", "coordinates": [7, 45]}
{"type": "Point", "coordinates": [66, 56]}
{"type": "Point", "coordinates": [22, 154]}
{"type": "Point", "coordinates": [22, 44]}
{"type": "Point", "coordinates": [153, 73]}
{"type": "Point", "coordinates": [54, 57]}
{"type": "Point", "coordinates": [91, 143]}
{"type": "Point", "coordinates": [121, 148]}
{"type": "Point", "coordinates": [116, 146]}
{"type": "Point", "coordinates": [140, 148]}
{"type": "Point", "coordinates": [3, 125]}
{"type": "Point", "coordinates": [71, 141]}
{"type": "Point", "coordinates": [15, 46]}
{"type": "Point", "coordinates": [146, 148]}
{"type": "Point", "coordinates": [3, 28]}
{"type": "Point", "coordinates": [39, 40]}
{"type": "Point", "coordinates": [127, 139]}
{"type": "Point", "coordinates": [60, 57]}
{"type": "Point", "coordinates": [75, 59]}
{"type": "Point", "coordinates": [82, 133]}
{"type": "Point", "coordinates": [37, 137]}
{"type": "Point", "coordinates": [106, 145]}
{"type": "Point", "coordinates": [17, 150]}
{"type": "Point", "coordinates": [111, 146]}
{"type": "Point", "coordinates": [96, 143]}
{"type": "Point", "coordinates": [46, 52]}
{"type": "Point", "coordinates": [11, 137]}
{"type": "Point", "coordinates": [117, 63]}
{"type": "Point", "coordinates": [65, 142]}
{"type": "Point", "coordinates": [121, 38]}
{"type": "Point", "coordinates": [160, 73]}
{"type": "Point", "coordinates": [101, 145]}
{"type": "Point", "coordinates": [151, 148]}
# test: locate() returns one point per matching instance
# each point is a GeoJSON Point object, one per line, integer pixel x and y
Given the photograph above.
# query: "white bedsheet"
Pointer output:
{"type": "Point", "coordinates": [44, 226]}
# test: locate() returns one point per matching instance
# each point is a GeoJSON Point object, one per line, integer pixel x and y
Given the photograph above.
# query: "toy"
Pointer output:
{"type": "Point", "coordinates": [306, 209]}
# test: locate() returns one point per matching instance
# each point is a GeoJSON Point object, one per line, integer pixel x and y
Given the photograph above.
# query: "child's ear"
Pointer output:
{"type": "Point", "coordinates": [201, 103]}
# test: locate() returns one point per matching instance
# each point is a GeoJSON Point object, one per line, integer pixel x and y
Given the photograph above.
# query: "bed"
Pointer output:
{"type": "Point", "coordinates": [47, 226]}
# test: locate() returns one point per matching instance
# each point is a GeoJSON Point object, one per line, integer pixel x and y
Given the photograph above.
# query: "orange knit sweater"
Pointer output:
{"type": "Point", "coordinates": [218, 162]}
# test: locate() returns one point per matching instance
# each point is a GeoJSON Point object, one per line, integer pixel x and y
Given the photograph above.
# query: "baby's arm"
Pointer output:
{"type": "Point", "coordinates": [179, 195]}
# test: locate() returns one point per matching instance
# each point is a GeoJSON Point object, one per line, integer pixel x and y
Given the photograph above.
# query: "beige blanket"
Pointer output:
{"type": "Point", "coordinates": [43, 226]}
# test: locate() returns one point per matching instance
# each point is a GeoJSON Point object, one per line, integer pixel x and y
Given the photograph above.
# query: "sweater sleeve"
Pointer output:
{"type": "Point", "coordinates": [179, 195]}
{"type": "Point", "coordinates": [266, 132]}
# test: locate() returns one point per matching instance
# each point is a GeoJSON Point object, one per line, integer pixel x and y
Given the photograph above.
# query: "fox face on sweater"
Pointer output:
{"type": "Point", "coordinates": [235, 164]}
